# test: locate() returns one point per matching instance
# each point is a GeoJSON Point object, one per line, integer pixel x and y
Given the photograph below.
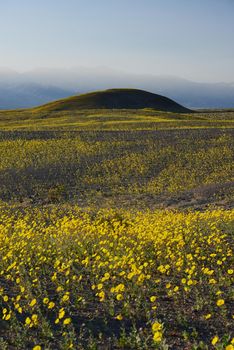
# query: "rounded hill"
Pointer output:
{"type": "Point", "coordinates": [117, 99]}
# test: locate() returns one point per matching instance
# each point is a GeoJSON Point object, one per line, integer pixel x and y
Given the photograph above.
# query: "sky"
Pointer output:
{"type": "Point", "coordinates": [191, 39]}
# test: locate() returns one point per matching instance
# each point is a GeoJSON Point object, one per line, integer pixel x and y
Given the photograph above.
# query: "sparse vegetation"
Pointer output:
{"type": "Point", "coordinates": [158, 165]}
{"type": "Point", "coordinates": [118, 99]}
{"type": "Point", "coordinates": [116, 230]}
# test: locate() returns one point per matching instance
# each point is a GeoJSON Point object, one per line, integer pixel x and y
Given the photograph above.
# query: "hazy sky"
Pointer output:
{"type": "Point", "coordinates": [193, 39]}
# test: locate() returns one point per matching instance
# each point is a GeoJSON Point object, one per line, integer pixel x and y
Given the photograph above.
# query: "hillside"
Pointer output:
{"type": "Point", "coordinates": [116, 99]}
{"type": "Point", "coordinates": [102, 214]}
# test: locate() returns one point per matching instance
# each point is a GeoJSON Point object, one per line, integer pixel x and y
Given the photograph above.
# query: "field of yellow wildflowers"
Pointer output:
{"type": "Point", "coordinates": [73, 279]}
{"type": "Point", "coordinates": [114, 167]}
{"type": "Point", "coordinates": [116, 230]}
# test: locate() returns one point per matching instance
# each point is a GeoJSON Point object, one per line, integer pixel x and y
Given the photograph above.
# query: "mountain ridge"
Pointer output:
{"type": "Point", "coordinates": [82, 79]}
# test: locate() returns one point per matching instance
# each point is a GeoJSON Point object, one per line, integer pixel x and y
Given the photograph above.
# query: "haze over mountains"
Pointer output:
{"type": "Point", "coordinates": [39, 86]}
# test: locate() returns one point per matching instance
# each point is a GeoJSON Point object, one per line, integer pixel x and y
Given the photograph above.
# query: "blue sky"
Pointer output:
{"type": "Point", "coordinates": [193, 39]}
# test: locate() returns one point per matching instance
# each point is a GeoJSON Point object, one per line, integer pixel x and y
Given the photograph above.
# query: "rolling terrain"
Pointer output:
{"type": "Point", "coordinates": [117, 99]}
{"type": "Point", "coordinates": [116, 225]}
{"type": "Point", "coordinates": [125, 156]}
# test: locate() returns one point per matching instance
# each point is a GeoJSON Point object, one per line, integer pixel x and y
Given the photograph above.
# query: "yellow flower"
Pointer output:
{"type": "Point", "coordinates": [215, 340]}
{"type": "Point", "coordinates": [5, 298]}
{"type": "Point", "coordinates": [37, 347]}
{"type": "Point", "coordinates": [65, 298]}
{"type": "Point", "coordinates": [206, 317]}
{"type": "Point", "coordinates": [8, 316]}
{"type": "Point", "coordinates": [61, 313]}
{"type": "Point", "coordinates": [230, 271]}
{"type": "Point", "coordinates": [119, 297]}
{"type": "Point", "coordinates": [45, 300]}
{"type": "Point", "coordinates": [152, 299]}
{"type": "Point", "coordinates": [212, 281]}
{"type": "Point", "coordinates": [119, 317]}
{"type": "Point", "coordinates": [120, 287]}
{"type": "Point", "coordinates": [33, 302]}
{"type": "Point", "coordinates": [28, 321]}
{"type": "Point", "coordinates": [156, 326]}
{"type": "Point", "coordinates": [51, 305]}
{"type": "Point", "coordinates": [229, 347]}
{"type": "Point", "coordinates": [67, 321]}
{"type": "Point", "coordinates": [157, 337]}
{"type": "Point", "coordinates": [101, 295]}
{"type": "Point", "coordinates": [34, 317]}
{"type": "Point", "coordinates": [220, 302]}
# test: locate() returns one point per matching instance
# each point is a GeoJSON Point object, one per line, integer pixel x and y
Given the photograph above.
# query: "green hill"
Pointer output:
{"type": "Point", "coordinates": [116, 99]}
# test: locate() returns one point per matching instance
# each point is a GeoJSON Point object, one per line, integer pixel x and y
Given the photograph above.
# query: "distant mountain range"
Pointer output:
{"type": "Point", "coordinates": [39, 86]}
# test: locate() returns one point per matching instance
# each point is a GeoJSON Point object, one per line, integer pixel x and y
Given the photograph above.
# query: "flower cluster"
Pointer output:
{"type": "Point", "coordinates": [66, 273]}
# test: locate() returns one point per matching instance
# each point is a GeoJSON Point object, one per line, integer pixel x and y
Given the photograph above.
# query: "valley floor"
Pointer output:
{"type": "Point", "coordinates": [116, 230]}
